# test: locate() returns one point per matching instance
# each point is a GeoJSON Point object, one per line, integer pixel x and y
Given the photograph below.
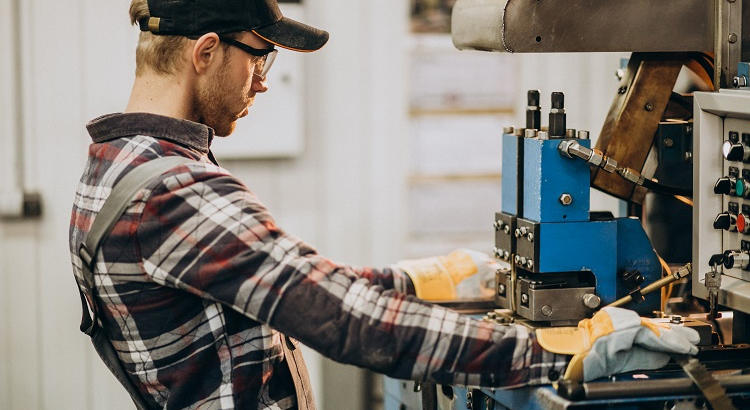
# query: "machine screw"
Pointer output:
{"type": "Point", "coordinates": [566, 199]}
{"type": "Point", "coordinates": [649, 107]}
{"type": "Point", "coordinates": [517, 259]}
{"type": "Point", "coordinates": [524, 298]}
{"type": "Point", "coordinates": [530, 237]}
{"type": "Point", "coordinates": [591, 301]}
{"type": "Point", "coordinates": [668, 142]}
{"type": "Point", "coordinates": [522, 261]}
{"type": "Point", "coordinates": [530, 264]}
{"type": "Point", "coordinates": [732, 38]}
{"type": "Point", "coordinates": [506, 229]}
{"type": "Point", "coordinates": [498, 225]}
{"type": "Point", "coordinates": [506, 255]}
{"type": "Point", "coordinates": [501, 289]}
{"type": "Point", "coordinates": [547, 310]}
{"type": "Point", "coordinates": [498, 253]}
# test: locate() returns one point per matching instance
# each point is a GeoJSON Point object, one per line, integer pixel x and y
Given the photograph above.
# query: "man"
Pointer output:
{"type": "Point", "coordinates": [198, 286]}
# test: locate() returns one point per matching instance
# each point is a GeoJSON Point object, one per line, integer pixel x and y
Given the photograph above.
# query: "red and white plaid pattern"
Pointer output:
{"type": "Point", "coordinates": [196, 281]}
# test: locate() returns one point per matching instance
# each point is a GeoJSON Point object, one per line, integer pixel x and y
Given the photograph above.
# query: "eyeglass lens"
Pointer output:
{"type": "Point", "coordinates": [263, 65]}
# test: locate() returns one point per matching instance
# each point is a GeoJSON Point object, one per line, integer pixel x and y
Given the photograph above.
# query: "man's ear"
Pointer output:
{"type": "Point", "coordinates": [206, 52]}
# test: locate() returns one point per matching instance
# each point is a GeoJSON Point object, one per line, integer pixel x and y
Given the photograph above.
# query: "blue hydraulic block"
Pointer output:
{"type": "Point", "coordinates": [512, 170]}
{"type": "Point", "coordinates": [548, 178]}
{"type": "Point", "coordinates": [635, 254]}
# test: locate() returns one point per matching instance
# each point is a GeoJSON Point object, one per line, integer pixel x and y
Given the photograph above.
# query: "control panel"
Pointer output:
{"type": "Point", "coordinates": [721, 196]}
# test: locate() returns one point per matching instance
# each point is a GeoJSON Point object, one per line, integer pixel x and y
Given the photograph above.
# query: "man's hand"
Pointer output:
{"type": "Point", "coordinates": [615, 341]}
{"type": "Point", "coordinates": [436, 278]}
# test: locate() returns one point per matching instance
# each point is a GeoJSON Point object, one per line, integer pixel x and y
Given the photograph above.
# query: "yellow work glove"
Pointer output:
{"type": "Point", "coordinates": [436, 278]}
{"type": "Point", "coordinates": [615, 341]}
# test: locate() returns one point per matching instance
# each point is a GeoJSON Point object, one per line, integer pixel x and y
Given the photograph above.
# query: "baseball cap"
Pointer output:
{"type": "Point", "coordinates": [262, 17]}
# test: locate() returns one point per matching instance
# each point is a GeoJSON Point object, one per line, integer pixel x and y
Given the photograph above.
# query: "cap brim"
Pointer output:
{"type": "Point", "coordinates": [293, 35]}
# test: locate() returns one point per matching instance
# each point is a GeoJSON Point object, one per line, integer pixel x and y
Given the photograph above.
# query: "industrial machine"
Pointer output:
{"type": "Point", "coordinates": [674, 157]}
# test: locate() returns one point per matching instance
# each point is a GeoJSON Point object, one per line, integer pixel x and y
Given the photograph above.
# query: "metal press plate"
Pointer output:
{"type": "Point", "coordinates": [583, 25]}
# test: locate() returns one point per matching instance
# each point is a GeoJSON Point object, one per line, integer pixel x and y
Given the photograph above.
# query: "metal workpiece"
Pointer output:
{"type": "Point", "coordinates": [550, 301]}
{"type": "Point", "coordinates": [557, 116]}
{"type": "Point", "coordinates": [533, 110]}
{"type": "Point", "coordinates": [532, 26]}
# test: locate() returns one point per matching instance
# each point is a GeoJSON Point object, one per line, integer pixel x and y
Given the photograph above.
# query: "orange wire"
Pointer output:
{"type": "Point", "coordinates": [664, 293]}
{"type": "Point", "coordinates": [684, 200]}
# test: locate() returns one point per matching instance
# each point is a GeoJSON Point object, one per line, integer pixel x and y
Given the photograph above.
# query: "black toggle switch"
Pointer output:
{"type": "Point", "coordinates": [734, 151]}
{"type": "Point", "coordinates": [725, 221]}
{"type": "Point", "coordinates": [726, 186]}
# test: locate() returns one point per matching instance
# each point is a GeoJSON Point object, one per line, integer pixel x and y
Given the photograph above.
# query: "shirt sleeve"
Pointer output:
{"type": "Point", "coordinates": [204, 232]}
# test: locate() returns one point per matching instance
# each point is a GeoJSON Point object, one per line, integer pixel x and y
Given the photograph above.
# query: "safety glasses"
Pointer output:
{"type": "Point", "coordinates": [264, 58]}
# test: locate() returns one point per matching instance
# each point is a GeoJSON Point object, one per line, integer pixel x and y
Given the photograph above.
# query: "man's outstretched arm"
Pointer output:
{"type": "Point", "coordinates": [205, 233]}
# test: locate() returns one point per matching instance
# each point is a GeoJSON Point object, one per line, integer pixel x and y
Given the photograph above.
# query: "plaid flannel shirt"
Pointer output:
{"type": "Point", "coordinates": [196, 282]}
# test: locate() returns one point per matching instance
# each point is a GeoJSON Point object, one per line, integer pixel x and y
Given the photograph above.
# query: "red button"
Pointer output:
{"type": "Point", "coordinates": [741, 223]}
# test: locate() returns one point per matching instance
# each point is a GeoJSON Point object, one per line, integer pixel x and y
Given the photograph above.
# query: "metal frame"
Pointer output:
{"type": "Point", "coordinates": [710, 111]}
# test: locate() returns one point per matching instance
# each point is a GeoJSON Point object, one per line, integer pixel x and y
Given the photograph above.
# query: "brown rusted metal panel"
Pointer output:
{"type": "Point", "coordinates": [633, 118]}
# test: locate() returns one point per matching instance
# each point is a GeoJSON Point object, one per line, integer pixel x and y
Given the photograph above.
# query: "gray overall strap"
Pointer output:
{"type": "Point", "coordinates": [115, 205]}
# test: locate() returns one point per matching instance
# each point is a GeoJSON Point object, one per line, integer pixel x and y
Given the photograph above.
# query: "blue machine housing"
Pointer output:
{"type": "Point", "coordinates": [547, 175]}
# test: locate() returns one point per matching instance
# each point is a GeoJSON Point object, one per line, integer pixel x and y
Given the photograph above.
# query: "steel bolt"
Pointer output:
{"type": "Point", "coordinates": [530, 264]}
{"type": "Point", "coordinates": [517, 259]}
{"type": "Point", "coordinates": [566, 199]}
{"type": "Point", "coordinates": [506, 255]}
{"type": "Point", "coordinates": [649, 107]}
{"type": "Point", "coordinates": [517, 233]}
{"type": "Point", "coordinates": [506, 229]}
{"type": "Point", "coordinates": [591, 301]}
{"type": "Point", "coordinates": [668, 142]}
{"type": "Point", "coordinates": [732, 38]}
{"type": "Point", "coordinates": [498, 225]}
{"type": "Point", "coordinates": [524, 298]}
{"type": "Point", "coordinates": [739, 81]}
{"type": "Point", "coordinates": [530, 237]}
{"type": "Point", "coordinates": [522, 261]}
{"type": "Point", "coordinates": [547, 310]}
{"type": "Point", "coordinates": [501, 290]}
{"type": "Point", "coordinates": [497, 252]}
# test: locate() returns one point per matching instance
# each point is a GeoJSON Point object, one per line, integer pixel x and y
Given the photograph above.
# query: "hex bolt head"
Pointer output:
{"type": "Point", "coordinates": [517, 233]}
{"type": "Point", "coordinates": [498, 225]}
{"type": "Point", "coordinates": [732, 38]}
{"type": "Point", "coordinates": [566, 199]}
{"type": "Point", "coordinates": [530, 264]}
{"type": "Point", "coordinates": [522, 262]}
{"type": "Point", "coordinates": [506, 255]}
{"type": "Point", "coordinates": [524, 298]}
{"type": "Point", "coordinates": [497, 252]}
{"type": "Point", "coordinates": [506, 229]}
{"type": "Point", "coordinates": [547, 310]}
{"type": "Point", "coordinates": [530, 237]}
{"type": "Point", "coordinates": [517, 259]}
{"type": "Point", "coordinates": [501, 290]}
{"type": "Point", "coordinates": [649, 107]}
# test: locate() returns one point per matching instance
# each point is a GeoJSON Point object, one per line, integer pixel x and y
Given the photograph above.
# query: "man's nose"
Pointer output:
{"type": "Point", "coordinates": [260, 85]}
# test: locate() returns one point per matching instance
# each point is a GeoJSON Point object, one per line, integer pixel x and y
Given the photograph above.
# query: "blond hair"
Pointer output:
{"type": "Point", "coordinates": [162, 54]}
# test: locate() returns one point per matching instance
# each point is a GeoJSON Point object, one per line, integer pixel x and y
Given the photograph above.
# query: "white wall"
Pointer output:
{"type": "Point", "coordinates": [345, 194]}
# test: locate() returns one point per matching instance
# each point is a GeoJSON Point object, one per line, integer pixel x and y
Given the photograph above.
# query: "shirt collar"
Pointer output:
{"type": "Point", "coordinates": [188, 133]}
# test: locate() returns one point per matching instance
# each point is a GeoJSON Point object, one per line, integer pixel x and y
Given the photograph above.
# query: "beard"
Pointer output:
{"type": "Point", "coordinates": [215, 105]}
